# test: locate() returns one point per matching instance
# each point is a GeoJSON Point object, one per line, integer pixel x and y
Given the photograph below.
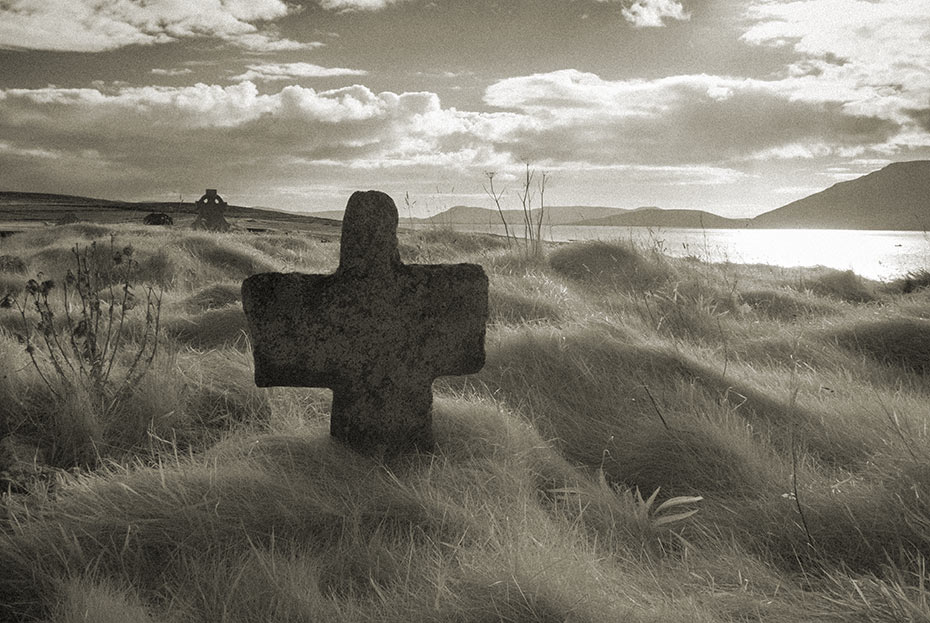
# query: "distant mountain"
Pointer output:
{"type": "Point", "coordinates": [554, 215]}
{"type": "Point", "coordinates": [655, 217]}
{"type": "Point", "coordinates": [563, 215]}
{"type": "Point", "coordinates": [896, 197]}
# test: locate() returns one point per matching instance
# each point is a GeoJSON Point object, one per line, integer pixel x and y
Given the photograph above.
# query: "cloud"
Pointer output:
{"type": "Point", "coordinates": [870, 55]}
{"type": "Point", "coordinates": [288, 71]}
{"type": "Point", "coordinates": [166, 137]}
{"type": "Point", "coordinates": [848, 29]}
{"type": "Point", "coordinates": [356, 5]}
{"type": "Point", "coordinates": [565, 119]}
{"type": "Point", "coordinates": [700, 130]}
{"type": "Point", "coordinates": [575, 116]}
{"type": "Point", "coordinates": [271, 42]}
{"type": "Point", "coordinates": [651, 13]}
{"type": "Point", "coordinates": [93, 26]}
{"type": "Point", "coordinates": [177, 71]}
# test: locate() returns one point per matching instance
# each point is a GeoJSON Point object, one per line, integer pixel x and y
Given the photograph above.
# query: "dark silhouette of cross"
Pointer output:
{"type": "Point", "coordinates": [377, 331]}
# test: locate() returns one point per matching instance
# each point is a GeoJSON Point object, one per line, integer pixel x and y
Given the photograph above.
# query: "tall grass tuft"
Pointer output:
{"type": "Point", "coordinates": [844, 285]}
{"type": "Point", "coordinates": [913, 281]}
{"type": "Point", "coordinates": [903, 342]}
{"type": "Point", "coordinates": [603, 263]}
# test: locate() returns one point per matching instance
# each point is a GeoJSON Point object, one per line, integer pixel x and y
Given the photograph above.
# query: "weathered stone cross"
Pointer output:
{"type": "Point", "coordinates": [377, 331]}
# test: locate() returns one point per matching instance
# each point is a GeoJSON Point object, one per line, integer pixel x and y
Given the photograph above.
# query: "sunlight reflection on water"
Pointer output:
{"type": "Point", "coordinates": [881, 255]}
{"type": "Point", "coordinates": [874, 254]}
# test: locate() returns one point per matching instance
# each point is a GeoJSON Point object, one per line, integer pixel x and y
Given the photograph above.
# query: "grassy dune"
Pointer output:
{"type": "Point", "coordinates": [787, 407]}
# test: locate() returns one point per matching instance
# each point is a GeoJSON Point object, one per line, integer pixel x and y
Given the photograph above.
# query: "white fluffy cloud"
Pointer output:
{"type": "Point", "coordinates": [651, 13]}
{"type": "Point", "coordinates": [289, 71]}
{"type": "Point", "coordinates": [874, 56]}
{"type": "Point", "coordinates": [93, 26]}
{"type": "Point", "coordinates": [851, 29]}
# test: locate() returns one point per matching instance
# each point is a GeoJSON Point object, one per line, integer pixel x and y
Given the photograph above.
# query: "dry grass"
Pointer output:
{"type": "Point", "coordinates": [792, 403]}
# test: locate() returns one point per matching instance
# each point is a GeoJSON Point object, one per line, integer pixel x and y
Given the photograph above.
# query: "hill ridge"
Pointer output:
{"type": "Point", "coordinates": [895, 197]}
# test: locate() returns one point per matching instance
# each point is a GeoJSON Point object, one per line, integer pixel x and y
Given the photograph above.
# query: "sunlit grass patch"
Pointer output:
{"type": "Point", "coordinates": [298, 252]}
{"type": "Point", "coordinates": [214, 297]}
{"type": "Point", "coordinates": [212, 328]}
{"type": "Point", "coordinates": [443, 244]}
{"type": "Point", "coordinates": [511, 305]}
{"type": "Point", "coordinates": [224, 255]}
{"type": "Point", "coordinates": [221, 392]}
{"type": "Point", "coordinates": [83, 599]}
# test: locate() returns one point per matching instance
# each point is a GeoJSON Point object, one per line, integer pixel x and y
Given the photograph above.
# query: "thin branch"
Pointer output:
{"type": "Point", "coordinates": [542, 211]}
{"type": "Point", "coordinates": [797, 496]}
{"type": "Point", "coordinates": [496, 198]}
{"type": "Point", "coordinates": [30, 349]}
{"type": "Point", "coordinates": [655, 406]}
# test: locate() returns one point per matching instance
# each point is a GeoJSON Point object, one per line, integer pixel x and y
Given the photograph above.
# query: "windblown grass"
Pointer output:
{"type": "Point", "coordinates": [785, 304]}
{"type": "Point", "coordinates": [844, 285]}
{"type": "Point", "coordinates": [788, 408]}
{"type": "Point", "coordinates": [902, 342]}
{"type": "Point", "coordinates": [214, 296]}
{"type": "Point", "coordinates": [602, 263]}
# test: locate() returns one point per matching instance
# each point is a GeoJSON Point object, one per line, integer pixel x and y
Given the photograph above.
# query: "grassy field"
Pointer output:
{"type": "Point", "coordinates": [650, 440]}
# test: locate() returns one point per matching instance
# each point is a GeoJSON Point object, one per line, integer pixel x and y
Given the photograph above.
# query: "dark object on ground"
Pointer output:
{"type": "Point", "coordinates": [158, 218]}
{"type": "Point", "coordinates": [68, 218]}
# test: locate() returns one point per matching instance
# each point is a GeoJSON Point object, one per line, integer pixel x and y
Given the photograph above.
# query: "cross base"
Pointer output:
{"type": "Point", "coordinates": [392, 422]}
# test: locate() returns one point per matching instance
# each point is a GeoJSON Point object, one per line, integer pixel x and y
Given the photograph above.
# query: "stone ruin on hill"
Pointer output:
{"type": "Point", "coordinates": [377, 331]}
{"type": "Point", "coordinates": [210, 209]}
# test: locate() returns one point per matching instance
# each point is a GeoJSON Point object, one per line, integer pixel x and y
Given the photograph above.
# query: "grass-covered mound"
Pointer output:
{"type": "Point", "coordinates": [650, 440]}
{"type": "Point", "coordinates": [897, 341]}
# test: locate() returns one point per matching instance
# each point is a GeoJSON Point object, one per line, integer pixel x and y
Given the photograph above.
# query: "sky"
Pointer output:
{"type": "Point", "coordinates": [731, 106]}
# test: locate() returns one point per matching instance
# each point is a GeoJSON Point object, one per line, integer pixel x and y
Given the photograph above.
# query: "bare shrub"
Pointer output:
{"type": "Point", "coordinates": [86, 343]}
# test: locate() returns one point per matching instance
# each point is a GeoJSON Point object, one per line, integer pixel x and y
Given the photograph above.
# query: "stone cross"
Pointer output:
{"type": "Point", "coordinates": [377, 331]}
{"type": "Point", "coordinates": [210, 209]}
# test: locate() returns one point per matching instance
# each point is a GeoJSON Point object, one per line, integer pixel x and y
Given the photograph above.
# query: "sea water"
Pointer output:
{"type": "Point", "coordinates": [880, 255]}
